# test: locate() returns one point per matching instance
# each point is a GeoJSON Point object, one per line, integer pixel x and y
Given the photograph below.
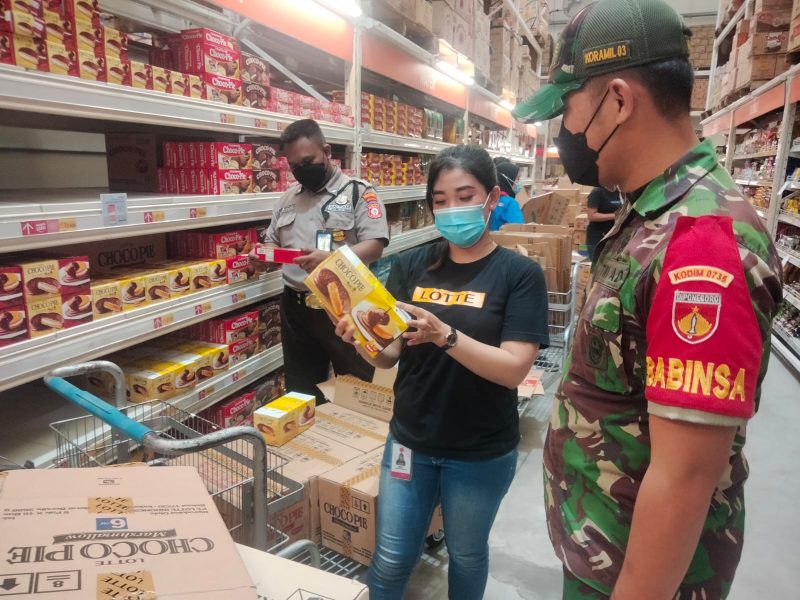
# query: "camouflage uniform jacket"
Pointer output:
{"type": "Point", "coordinates": [676, 323]}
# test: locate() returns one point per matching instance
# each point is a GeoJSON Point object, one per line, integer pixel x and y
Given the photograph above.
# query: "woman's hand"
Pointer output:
{"type": "Point", "coordinates": [429, 329]}
{"type": "Point", "coordinates": [346, 329]}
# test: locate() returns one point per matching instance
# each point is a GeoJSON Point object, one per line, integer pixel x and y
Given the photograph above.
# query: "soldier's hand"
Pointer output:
{"type": "Point", "coordinates": [255, 261]}
{"type": "Point", "coordinates": [311, 259]}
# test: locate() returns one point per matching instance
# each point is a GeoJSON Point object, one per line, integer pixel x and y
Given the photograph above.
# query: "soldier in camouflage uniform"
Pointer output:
{"type": "Point", "coordinates": [644, 470]}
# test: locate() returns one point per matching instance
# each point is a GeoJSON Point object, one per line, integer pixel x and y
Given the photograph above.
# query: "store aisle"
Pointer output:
{"type": "Point", "coordinates": [523, 566]}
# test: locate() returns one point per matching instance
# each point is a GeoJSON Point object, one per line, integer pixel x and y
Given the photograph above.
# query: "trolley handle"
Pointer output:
{"type": "Point", "coordinates": [97, 407]}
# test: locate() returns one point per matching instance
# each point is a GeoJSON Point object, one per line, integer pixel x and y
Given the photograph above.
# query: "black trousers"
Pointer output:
{"type": "Point", "coordinates": [310, 346]}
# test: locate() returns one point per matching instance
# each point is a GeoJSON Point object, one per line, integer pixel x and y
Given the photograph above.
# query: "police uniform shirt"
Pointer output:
{"type": "Point", "coordinates": [300, 214]}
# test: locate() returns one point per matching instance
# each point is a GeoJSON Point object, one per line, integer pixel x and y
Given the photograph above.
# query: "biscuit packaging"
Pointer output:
{"type": "Point", "coordinates": [224, 155]}
{"type": "Point", "coordinates": [91, 67]}
{"type": "Point", "coordinates": [23, 51]}
{"type": "Point", "coordinates": [60, 60]}
{"type": "Point", "coordinates": [230, 328]}
{"type": "Point", "coordinates": [39, 278]}
{"type": "Point", "coordinates": [199, 276]}
{"type": "Point", "coordinates": [76, 308]}
{"type": "Point", "coordinates": [157, 285]}
{"type": "Point", "coordinates": [106, 298]}
{"type": "Point", "coordinates": [233, 411]}
{"type": "Point", "coordinates": [243, 349]}
{"type": "Point", "coordinates": [21, 22]}
{"type": "Point", "coordinates": [141, 75]}
{"type": "Point", "coordinates": [346, 288]}
{"type": "Point", "coordinates": [254, 69]}
{"type": "Point", "coordinates": [11, 286]}
{"type": "Point", "coordinates": [118, 72]}
{"type": "Point", "coordinates": [73, 273]}
{"type": "Point", "coordinates": [285, 418]}
{"type": "Point", "coordinates": [147, 379]}
{"type": "Point", "coordinates": [162, 79]}
{"type": "Point", "coordinates": [218, 356]}
{"type": "Point", "coordinates": [239, 269]}
{"type": "Point", "coordinates": [217, 272]}
{"type": "Point", "coordinates": [134, 289]}
{"type": "Point", "coordinates": [219, 88]}
{"type": "Point", "coordinates": [279, 255]}
{"type": "Point", "coordinates": [116, 44]}
{"type": "Point", "coordinates": [44, 316]}
{"type": "Point", "coordinates": [13, 325]}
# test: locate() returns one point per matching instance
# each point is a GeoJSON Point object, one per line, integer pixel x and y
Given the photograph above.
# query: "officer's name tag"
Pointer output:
{"type": "Point", "coordinates": [612, 271]}
{"type": "Point", "coordinates": [401, 462]}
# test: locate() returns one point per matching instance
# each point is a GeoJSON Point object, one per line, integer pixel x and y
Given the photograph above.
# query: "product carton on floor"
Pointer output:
{"type": "Point", "coordinates": [374, 399]}
{"type": "Point", "coordinates": [350, 427]}
{"type": "Point", "coordinates": [281, 579]}
{"type": "Point", "coordinates": [310, 455]}
{"type": "Point", "coordinates": [348, 506]}
{"type": "Point", "coordinates": [108, 533]}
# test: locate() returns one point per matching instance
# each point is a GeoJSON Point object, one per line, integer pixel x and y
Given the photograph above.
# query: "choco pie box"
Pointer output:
{"type": "Point", "coordinates": [345, 287]}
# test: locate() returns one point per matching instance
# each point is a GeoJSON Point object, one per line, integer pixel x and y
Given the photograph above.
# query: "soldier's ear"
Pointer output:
{"type": "Point", "coordinates": [621, 94]}
{"type": "Point", "coordinates": [326, 150]}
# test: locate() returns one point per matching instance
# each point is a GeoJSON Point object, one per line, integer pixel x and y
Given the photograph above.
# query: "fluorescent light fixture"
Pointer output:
{"type": "Point", "coordinates": [537, 124]}
{"type": "Point", "coordinates": [448, 69]}
{"type": "Point", "coordinates": [552, 149]}
{"type": "Point", "coordinates": [348, 8]}
{"type": "Point", "coordinates": [506, 104]}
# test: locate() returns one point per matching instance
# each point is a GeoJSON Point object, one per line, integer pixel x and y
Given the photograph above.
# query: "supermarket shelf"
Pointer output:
{"type": "Point", "coordinates": [525, 160]}
{"type": "Point", "coordinates": [31, 359]}
{"type": "Point", "coordinates": [75, 216]}
{"type": "Point", "coordinates": [235, 378]}
{"type": "Point", "coordinates": [760, 212]}
{"type": "Point", "coordinates": [787, 347]}
{"type": "Point", "coordinates": [753, 183]}
{"type": "Point", "coordinates": [763, 154]}
{"type": "Point", "coordinates": [791, 298]}
{"type": "Point", "coordinates": [204, 395]}
{"type": "Point", "coordinates": [61, 95]}
{"type": "Point", "coordinates": [789, 218]}
{"type": "Point", "coordinates": [792, 186]}
{"type": "Point", "coordinates": [412, 238]}
{"type": "Point", "coordinates": [790, 255]}
{"type": "Point", "coordinates": [391, 141]}
{"type": "Point", "coordinates": [407, 193]}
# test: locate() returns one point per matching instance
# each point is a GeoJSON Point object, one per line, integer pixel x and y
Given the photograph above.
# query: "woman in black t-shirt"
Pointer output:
{"type": "Point", "coordinates": [602, 206]}
{"type": "Point", "coordinates": [479, 318]}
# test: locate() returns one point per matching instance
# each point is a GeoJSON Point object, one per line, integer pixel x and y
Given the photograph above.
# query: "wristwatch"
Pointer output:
{"type": "Point", "coordinates": [451, 340]}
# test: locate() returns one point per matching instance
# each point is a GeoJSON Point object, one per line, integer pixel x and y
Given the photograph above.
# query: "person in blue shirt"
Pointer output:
{"type": "Point", "coordinates": [507, 210]}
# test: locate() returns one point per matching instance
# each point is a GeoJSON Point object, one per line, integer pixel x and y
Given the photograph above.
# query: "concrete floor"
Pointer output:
{"type": "Point", "coordinates": [522, 563]}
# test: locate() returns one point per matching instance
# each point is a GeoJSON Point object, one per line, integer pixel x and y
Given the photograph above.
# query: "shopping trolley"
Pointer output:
{"type": "Point", "coordinates": [243, 476]}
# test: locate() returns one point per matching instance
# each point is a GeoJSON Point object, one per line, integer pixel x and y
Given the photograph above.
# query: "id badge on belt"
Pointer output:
{"type": "Point", "coordinates": [401, 462]}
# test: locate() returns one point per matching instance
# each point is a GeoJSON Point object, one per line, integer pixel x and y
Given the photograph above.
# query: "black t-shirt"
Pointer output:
{"type": "Point", "coordinates": [606, 203]}
{"type": "Point", "coordinates": [441, 408]}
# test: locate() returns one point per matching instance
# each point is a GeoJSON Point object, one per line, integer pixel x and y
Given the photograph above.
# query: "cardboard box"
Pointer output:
{"type": "Point", "coordinates": [219, 354]}
{"type": "Point", "coordinates": [60, 60]}
{"type": "Point", "coordinates": [285, 418]}
{"type": "Point", "coordinates": [239, 269]}
{"type": "Point", "coordinates": [219, 88]}
{"type": "Point", "coordinates": [153, 379]}
{"type": "Point", "coordinates": [22, 22]}
{"type": "Point", "coordinates": [772, 20]}
{"type": "Point", "coordinates": [795, 8]}
{"type": "Point", "coordinates": [40, 278]}
{"type": "Point", "coordinates": [374, 399]}
{"type": "Point", "coordinates": [73, 514]}
{"type": "Point", "coordinates": [76, 308]}
{"type": "Point", "coordinates": [254, 69]}
{"type": "Point", "coordinates": [350, 428]}
{"type": "Point", "coordinates": [134, 289]}
{"type": "Point", "coordinates": [118, 72]}
{"type": "Point", "coordinates": [224, 155]}
{"type": "Point", "coordinates": [297, 581]}
{"type": "Point", "coordinates": [162, 79]}
{"type": "Point", "coordinates": [132, 160]}
{"type": "Point", "coordinates": [279, 255]}
{"type": "Point", "coordinates": [767, 43]}
{"type": "Point", "coordinates": [793, 42]}
{"type": "Point", "coordinates": [141, 75]}
{"type": "Point", "coordinates": [311, 455]}
{"type": "Point", "coordinates": [200, 57]}
{"type": "Point", "coordinates": [44, 316]}
{"type": "Point", "coordinates": [13, 325]}
{"type": "Point", "coordinates": [348, 519]}
{"type": "Point", "coordinates": [232, 411]}
{"type": "Point", "coordinates": [345, 286]}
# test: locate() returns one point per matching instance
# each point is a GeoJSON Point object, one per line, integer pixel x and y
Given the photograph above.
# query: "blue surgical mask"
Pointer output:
{"type": "Point", "coordinates": [517, 188]}
{"type": "Point", "coordinates": [515, 185]}
{"type": "Point", "coordinates": [462, 225]}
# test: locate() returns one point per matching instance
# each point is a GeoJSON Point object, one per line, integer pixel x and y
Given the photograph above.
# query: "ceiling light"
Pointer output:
{"type": "Point", "coordinates": [552, 149]}
{"type": "Point", "coordinates": [506, 104]}
{"type": "Point", "coordinates": [349, 8]}
{"type": "Point", "coordinates": [448, 69]}
{"type": "Point", "coordinates": [537, 124]}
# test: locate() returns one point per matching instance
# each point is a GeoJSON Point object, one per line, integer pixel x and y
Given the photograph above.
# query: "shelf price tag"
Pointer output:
{"type": "Point", "coordinates": [198, 213]}
{"type": "Point", "coordinates": [114, 208]}
{"type": "Point", "coordinates": [41, 227]}
{"type": "Point", "coordinates": [202, 308]}
{"type": "Point", "coordinates": [163, 321]}
{"type": "Point", "coordinates": [155, 216]}
{"type": "Point", "coordinates": [261, 123]}
{"type": "Point", "coordinates": [227, 118]}
{"type": "Point", "coordinates": [238, 297]}
{"type": "Point", "coordinates": [67, 225]}
{"type": "Point", "coordinates": [237, 375]}
{"type": "Point", "coordinates": [205, 393]}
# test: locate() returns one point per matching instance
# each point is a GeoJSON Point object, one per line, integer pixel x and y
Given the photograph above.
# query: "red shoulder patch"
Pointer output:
{"type": "Point", "coordinates": [704, 344]}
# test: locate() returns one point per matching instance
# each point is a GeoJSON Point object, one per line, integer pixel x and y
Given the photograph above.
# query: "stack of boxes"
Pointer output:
{"type": "Point", "coordinates": [391, 170]}
{"type": "Point", "coordinates": [255, 74]}
{"type": "Point", "coordinates": [453, 22]}
{"type": "Point", "coordinates": [500, 67]}
{"type": "Point", "coordinates": [271, 173]}
{"type": "Point", "coordinates": [215, 58]}
{"type": "Point", "coordinates": [793, 43]}
{"type": "Point", "coordinates": [43, 295]}
{"type": "Point", "coordinates": [382, 114]}
{"type": "Point", "coordinates": [306, 107]}
{"type": "Point", "coordinates": [206, 168]}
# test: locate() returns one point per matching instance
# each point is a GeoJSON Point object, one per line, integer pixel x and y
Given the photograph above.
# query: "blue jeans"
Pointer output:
{"type": "Point", "coordinates": [470, 493]}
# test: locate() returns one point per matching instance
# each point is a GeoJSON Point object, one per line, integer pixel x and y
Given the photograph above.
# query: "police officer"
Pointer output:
{"type": "Point", "coordinates": [326, 210]}
{"type": "Point", "coordinates": [643, 460]}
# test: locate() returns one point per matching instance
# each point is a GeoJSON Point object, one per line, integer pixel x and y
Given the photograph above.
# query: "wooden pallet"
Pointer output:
{"type": "Point", "coordinates": [388, 15]}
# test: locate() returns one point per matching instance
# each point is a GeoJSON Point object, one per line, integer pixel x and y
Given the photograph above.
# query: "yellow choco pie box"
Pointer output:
{"type": "Point", "coordinates": [285, 418]}
{"type": "Point", "coordinates": [345, 286]}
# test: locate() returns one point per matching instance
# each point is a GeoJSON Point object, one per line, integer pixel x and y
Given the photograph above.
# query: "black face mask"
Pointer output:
{"type": "Point", "coordinates": [580, 161]}
{"type": "Point", "coordinates": [311, 176]}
